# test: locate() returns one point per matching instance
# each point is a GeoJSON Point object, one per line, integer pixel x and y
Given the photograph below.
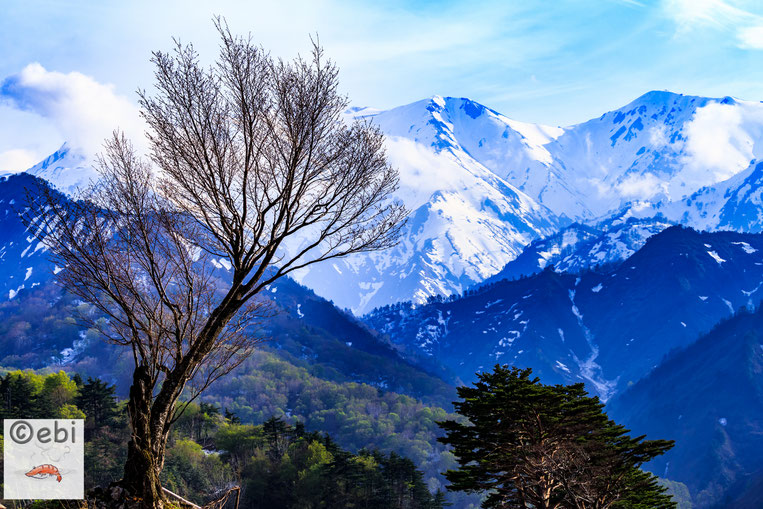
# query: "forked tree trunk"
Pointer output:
{"type": "Point", "coordinates": [145, 451]}
{"type": "Point", "coordinates": [149, 417]}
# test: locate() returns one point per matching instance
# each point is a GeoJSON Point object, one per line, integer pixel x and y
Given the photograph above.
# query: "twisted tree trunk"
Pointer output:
{"type": "Point", "coordinates": [145, 451]}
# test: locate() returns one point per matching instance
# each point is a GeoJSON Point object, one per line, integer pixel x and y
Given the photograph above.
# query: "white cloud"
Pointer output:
{"type": "Point", "coordinates": [641, 187]}
{"type": "Point", "coordinates": [658, 137]}
{"type": "Point", "coordinates": [717, 143]}
{"type": "Point", "coordinates": [751, 37]}
{"type": "Point", "coordinates": [727, 16]}
{"type": "Point", "coordinates": [25, 136]}
{"type": "Point", "coordinates": [82, 110]}
{"type": "Point", "coordinates": [690, 13]}
{"type": "Point", "coordinates": [17, 159]}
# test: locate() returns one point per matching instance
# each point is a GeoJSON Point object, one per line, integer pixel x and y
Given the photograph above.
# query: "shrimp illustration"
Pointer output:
{"type": "Point", "coordinates": [44, 471]}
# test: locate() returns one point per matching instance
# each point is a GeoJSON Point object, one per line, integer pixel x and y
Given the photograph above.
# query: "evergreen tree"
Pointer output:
{"type": "Point", "coordinates": [231, 417]}
{"type": "Point", "coordinates": [97, 399]}
{"type": "Point", "coordinates": [207, 418]}
{"type": "Point", "coordinates": [547, 447]}
{"type": "Point", "coordinates": [20, 397]}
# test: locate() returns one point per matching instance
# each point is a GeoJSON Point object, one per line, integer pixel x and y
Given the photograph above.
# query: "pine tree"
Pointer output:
{"type": "Point", "coordinates": [231, 417]}
{"type": "Point", "coordinates": [97, 399]}
{"type": "Point", "coordinates": [526, 443]}
{"type": "Point", "coordinates": [20, 398]}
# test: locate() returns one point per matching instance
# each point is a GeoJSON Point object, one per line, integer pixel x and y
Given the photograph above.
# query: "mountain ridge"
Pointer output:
{"type": "Point", "coordinates": [587, 326]}
{"type": "Point", "coordinates": [481, 187]}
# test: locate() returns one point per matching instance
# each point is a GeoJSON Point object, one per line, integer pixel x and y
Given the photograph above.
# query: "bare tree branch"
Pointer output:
{"type": "Point", "coordinates": [250, 163]}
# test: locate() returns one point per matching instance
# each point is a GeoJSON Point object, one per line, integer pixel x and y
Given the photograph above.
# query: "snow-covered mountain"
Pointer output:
{"type": "Point", "coordinates": [481, 187]}
{"type": "Point", "coordinates": [24, 260]}
{"type": "Point", "coordinates": [580, 247]}
{"type": "Point", "coordinates": [661, 147]}
{"type": "Point", "coordinates": [466, 222]}
{"type": "Point", "coordinates": [67, 169]}
{"type": "Point", "coordinates": [608, 328]}
{"type": "Point", "coordinates": [664, 158]}
{"type": "Point", "coordinates": [734, 204]}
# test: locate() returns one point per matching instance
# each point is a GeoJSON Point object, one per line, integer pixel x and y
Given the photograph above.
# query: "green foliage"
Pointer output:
{"type": "Point", "coordinates": [105, 453]}
{"type": "Point", "coordinates": [277, 464]}
{"type": "Point", "coordinates": [189, 470]}
{"type": "Point", "coordinates": [198, 421]}
{"type": "Point", "coordinates": [28, 395]}
{"type": "Point", "coordinates": [356, 415]}
{"type": "Point", "coordinates": [69, 411]}
{"type": "Point", "coordinates": [97, 399]}
{"type": "Point", "coordinates": [679, 492]}
{"type": "Point", "coordinates": [36, 326]}
{"type": "Point", "coordinates": [548, 446]}
{"type": "Point", "coordinates": [287, 467]}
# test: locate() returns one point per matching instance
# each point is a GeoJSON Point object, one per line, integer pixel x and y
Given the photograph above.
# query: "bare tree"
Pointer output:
{"type": "Point", "coordinates": [250, 162]}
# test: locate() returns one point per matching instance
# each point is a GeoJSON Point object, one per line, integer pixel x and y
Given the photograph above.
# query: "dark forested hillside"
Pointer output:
{"type": "Point", "coordinates": [608, 327]}
{"type": "Point", "coordinates": [709, 399]}
{"type": "Point", "coordinates": [345, 382]}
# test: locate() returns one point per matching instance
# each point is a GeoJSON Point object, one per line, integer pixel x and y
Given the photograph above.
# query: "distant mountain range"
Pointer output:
{"type": "Point", "coordinates": [709, 399]}
{"type": "Point", "coordinates": [580, 247]}
{"type": "Point", "coordinates": [481, 187]}
{"type": "Point", "coordinates": [628, 330]}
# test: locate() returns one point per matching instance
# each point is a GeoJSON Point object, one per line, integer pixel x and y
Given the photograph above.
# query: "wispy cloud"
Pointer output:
{"type": "Point", "coordinates": [745, 25]}
{"type": "Point", "coordinates": [552, 62]}
{"type": "Point", "coordinates": [633, 3]}
{"type": "Point", "coordinates": [751, 37]}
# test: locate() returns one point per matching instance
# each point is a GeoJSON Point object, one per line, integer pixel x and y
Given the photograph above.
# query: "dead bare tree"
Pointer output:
{"type": "Point", "coordinates": [250, 161]}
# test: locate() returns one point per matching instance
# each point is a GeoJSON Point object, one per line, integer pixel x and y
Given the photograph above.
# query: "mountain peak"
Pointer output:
{"type": "Point", "coordinates": [658, 96]}
{"type": "Point", "coordinates": [470, 107]}
{"type": "Point", "coordinates": [437, 101]}
{"type": "Point", "coordinates": [664, 97]}
{"type": "Point", "coordinates": [67, 169]}
{"type": "Point", "coordinates": [56, 156]}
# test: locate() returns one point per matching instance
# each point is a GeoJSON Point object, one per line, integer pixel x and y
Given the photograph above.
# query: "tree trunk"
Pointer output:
{"type": "Point", "coordinates": [145, 451]}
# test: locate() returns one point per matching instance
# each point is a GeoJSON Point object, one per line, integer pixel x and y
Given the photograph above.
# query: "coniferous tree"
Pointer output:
{"type": "Point", "coordinates": [98, 400]}
{"type": "Point", "coordinates": [547, 447]}
{"type": "Point", "coordinates": [19, 398]}
{"type": "Point", "coordinates": [231, 417]}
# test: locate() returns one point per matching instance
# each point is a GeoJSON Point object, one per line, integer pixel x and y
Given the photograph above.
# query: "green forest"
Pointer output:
{"type": "Point", "coordinates": [523, 442]}
{"type": "Point", "coordinates": [276, 464]}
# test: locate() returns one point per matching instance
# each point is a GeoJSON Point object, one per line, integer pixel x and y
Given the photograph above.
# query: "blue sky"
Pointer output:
{"type": "Point", "coordinates": [70, 68]}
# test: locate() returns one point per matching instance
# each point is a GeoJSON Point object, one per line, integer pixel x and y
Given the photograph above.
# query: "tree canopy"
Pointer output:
{"type": "Point", "coordinates": [547, 446]}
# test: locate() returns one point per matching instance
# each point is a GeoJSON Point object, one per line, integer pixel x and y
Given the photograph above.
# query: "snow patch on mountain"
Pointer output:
{"type": "Point", "coordinates": [580, 247]}
{"type": "Point", "coordinates": [589, 368]}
